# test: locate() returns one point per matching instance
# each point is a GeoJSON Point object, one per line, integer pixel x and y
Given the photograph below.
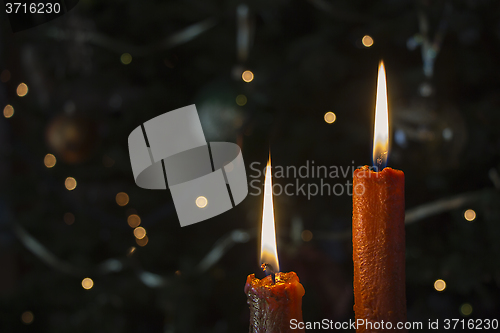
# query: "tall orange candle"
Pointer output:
{"type": "Point", "coordinates": [378, 233]}
{"type": "Point", "coordinates": [276, 300]}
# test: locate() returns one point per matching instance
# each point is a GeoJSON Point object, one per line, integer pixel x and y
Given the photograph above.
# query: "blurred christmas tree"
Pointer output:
{"type": "Point", "coordinates": [73, 89]}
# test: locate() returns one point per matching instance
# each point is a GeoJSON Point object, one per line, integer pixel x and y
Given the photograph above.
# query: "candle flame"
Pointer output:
{"type": "Point", "coordinates": [268, 249]}
{"type": "Point", "coordinates": [381, 133]}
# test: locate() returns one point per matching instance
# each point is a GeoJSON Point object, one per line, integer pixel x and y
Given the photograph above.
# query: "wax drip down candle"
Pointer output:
{"type": "Point", "coordinates": [275, 300]}
{"type": "Point", "coordinates": [378, 231]}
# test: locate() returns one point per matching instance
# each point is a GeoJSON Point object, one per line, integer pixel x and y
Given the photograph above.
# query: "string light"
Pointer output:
{"type": "Point", "coordinates": [247, 76]}
{"type": "Point", "coordinates": [134, 220]}
{"type": "Point", "coordinates": [22, 90]}
{"type": "Point", "coordinates": [307, 235]}
{"type": "Point", "coordinates": [27, 317]}
{"type": "Point", "coordinates": [139, 232]}
{"type": "Point", "coordinates": [49, 160]}
{"type": "Point", "coordinates": [470, 215]}
{"type": "Point", "coordinates": [142, 241]}
{"type": "Point", "coordinates": [241, 100]}
{"type": "Point", "coordinates": [8, 111]}
{"type": "Point", "coordinates": [367, 41]}
{"type": "Point", "coordinates": [87, 283]}
{"type": "Point", "coordinates": [126, 58]}
{"type": "Point", "coordinates": [439, 285]}
{"type": "Point", "coordinates": [70, 183]}
{"type": "Point", "coordinates": [201, 202]}
{"type": "Point", "coordinates": [330, 117]}
{"type": "Point", "coordinates": [122, 199]}
{"type": "Point", "coordinates": [69, 218]}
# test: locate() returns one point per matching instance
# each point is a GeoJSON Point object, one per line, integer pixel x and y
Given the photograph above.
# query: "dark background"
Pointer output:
{"type": "Point", "coordinates": [443, 64]}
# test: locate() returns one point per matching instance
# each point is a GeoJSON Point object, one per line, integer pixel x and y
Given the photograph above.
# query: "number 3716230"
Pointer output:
{"type": "Point", "coordinates": [32, 8]}
{"type": "Point", "coordinates": [475, 324]}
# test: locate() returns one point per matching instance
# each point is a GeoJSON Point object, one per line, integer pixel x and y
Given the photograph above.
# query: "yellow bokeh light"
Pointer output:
{"type": "Point", "coordinates": [126, 58]}
{"type": "Point", "coordinates": [22, 90]}
{"type": "Point", "coordinates": [201, 202]}
{"type": "Point", "coordinates": [142, 241]}
{"type": "Point", "coordinates": [330, 117]}
{"type": "Point", "coordinates": [69, 218]}
{"type": "Point", "coordinates": [440, 285]}
{"type": "Point", "coordinates": [367, 41]}
{"type": "Point", "coordinates": [307, 235]}
{"type": "Point", "coordinates": [247, 76]}
{"type": "Point", "coordinates": [139, 232]}
{"type": "Point", "coordinates": [131, 251]}
{"type": "Point", "coordinates": [8, 111]}
{"type": "Point", "coordinates": [70, 183]}
{"type": "Point", "coordinates": [470, 215]}
{"type": "Point", "coordinates": [466, 309]}
{"type": "Point", "coordinates": [49, 160]}
{"type": "Point", "coordinates": [241, 100]}
{"type": "Point", "coordinates": [27, 317]}
{"type": "Point", "coordinates": [134, 220]}
{"type": "Point", "coordinates": [87, 283]}
{"type": "Point", "coordinates": [122, 199]}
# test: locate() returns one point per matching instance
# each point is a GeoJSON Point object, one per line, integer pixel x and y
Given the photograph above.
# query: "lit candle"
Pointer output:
{"type": "Point", "coordinates": [276, 300]}
{"type": "Point", "coordinates": [378, 231]}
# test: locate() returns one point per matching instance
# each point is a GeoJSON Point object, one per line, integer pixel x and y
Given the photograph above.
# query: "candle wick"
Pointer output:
{"type": "Point", "coordinates": [268, 269]}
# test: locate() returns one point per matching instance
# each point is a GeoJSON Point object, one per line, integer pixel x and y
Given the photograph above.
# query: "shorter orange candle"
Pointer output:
{"type": "Point", "coordinates": [276, 300]}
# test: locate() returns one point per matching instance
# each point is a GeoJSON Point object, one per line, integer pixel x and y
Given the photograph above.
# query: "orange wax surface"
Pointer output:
{"type": "Point", "coordinates": [272, 306]}
{"type": "Point", "coordinates": [378, 239]}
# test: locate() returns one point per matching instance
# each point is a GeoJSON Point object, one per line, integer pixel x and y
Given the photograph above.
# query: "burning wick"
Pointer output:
{"type": "Point", "coordinates": [268, 269]}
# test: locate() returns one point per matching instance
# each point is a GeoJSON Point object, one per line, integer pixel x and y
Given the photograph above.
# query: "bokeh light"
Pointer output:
{"type": "Point", "coordinates": [247, 76]}
{"type": "Point", "coordinates": [87, 283]}
{"type": "Point", "coordinates": [126, 58]}
{"type": "Point", "coordinates": [70, 183]}
{"type": "Point", "coordinates": [8, 111]}
{"type": "Point", "coordinates": [142, 241]}
{"type": "Point", "coordinates": [241, 100]}
{"type": "Point", "coordinates": [470, 215]}
{"type": "Point", "coordinates": [439, 285]}
{"type": "Point", "coordinates": [69, 218]}
{"type": "Point", "coordinates": [5, 76]}
{"type": "Point", "coordinates": [139, 232]}
{"type": "Point", "coordinates": [307, 235]}
{"type": "Point", "coordinates": [131, 251]}
{"type": "Point", "coordinates": [22, 90]}
{"type": "Point", "coordinates": [330, 117]}
{"type": "Point", "coordinates": [27, 317]}
{"type": "Point", "coordinates": [367, 41]}
{"type": "Point", "coordinates": [107, 161]}
{"type": "Point", "coordinates": [466, 309]}
{"type": "Point", "coordinates": [122, 199]}
{"type": "Point", "coordinates": [49, 160]}
{"type": "Point", "coordinates": [201, 202]}
{"type": "Point", "coordinates": [134, 220]}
